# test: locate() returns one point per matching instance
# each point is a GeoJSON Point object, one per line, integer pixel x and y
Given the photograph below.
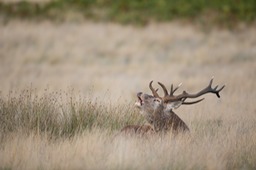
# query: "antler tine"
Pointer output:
{"type": "Point", "coordinates": [217, 91]}
{"type": "Point", "coordinates": [172, 91]}
{"type": "Point", "coordinates": [216, 87]}
{"type": "Point", "coordinates": [154, 92]}
{"type": "Point", "coordinates": [164, 89]}
{"type": "Point", "coordinates": [193, 102]}
{"type": "Point", "coordinates": [210, 84]}
{"type": "Point", "coordinates": [214, 90]}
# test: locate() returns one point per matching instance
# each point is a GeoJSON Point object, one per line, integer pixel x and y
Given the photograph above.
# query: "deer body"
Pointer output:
{"type": "Point", "coordinates": [141, 130]}
{"type": "Point", "coordinates": [169, 122]}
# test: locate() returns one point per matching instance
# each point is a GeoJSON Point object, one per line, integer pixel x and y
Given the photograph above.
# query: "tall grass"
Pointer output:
{"type": "Point", "coordinates": [57, 130]}
{"type": "Point", "coordinates": [59, 114]}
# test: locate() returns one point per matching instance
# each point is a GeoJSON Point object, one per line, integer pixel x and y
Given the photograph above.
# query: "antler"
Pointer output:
{"type": "Point", "coordinates": [208, 89]}
{"type": "Point", "coordinates": [154, 92]}
{"type": "Point", "coordinates": [173, 90]}
{"type": "Point", "coordinates": [165, 90]}
{"type": "Point", "coordinates": [182, 97]}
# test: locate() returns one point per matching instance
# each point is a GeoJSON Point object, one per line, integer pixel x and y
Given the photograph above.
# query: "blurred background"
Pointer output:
{"type": "Point", "coordinates": [111, 49]}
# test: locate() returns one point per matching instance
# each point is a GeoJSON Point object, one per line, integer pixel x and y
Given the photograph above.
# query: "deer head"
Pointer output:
{"type": "Point", "coordinates": [158, 110]}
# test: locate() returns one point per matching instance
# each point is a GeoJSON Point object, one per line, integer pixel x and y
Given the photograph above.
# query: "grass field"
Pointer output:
{"type": "Point", "coordinates": [66, 89]}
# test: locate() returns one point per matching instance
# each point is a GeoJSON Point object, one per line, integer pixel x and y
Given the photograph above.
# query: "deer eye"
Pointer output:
{"type": "Point", "coordinates": [156, 100]}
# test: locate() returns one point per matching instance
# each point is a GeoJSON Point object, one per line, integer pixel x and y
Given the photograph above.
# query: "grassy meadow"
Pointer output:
{"type": "Point", "coordinates": [67, 88]}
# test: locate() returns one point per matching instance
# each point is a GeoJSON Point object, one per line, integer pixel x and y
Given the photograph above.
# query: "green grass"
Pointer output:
{"type": "Point", "coordinates": [136, 12]}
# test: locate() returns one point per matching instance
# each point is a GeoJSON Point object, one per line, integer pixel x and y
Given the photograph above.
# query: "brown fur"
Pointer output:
{"type": "Point", "coordinates": [138, 130]}
{"type": "Point", "coordinates": [170, 122]}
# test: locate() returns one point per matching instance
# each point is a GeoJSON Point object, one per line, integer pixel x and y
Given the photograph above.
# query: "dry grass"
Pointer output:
{"type": "Point", "coordinates": [107, 64]}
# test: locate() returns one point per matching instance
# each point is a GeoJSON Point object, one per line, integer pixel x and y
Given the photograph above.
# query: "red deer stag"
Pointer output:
{"type": "Point", "coordinates": [158, 111]}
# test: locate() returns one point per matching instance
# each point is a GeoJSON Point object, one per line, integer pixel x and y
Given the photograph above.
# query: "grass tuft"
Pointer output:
{"type": "Point", "coordinates": [51, 114]}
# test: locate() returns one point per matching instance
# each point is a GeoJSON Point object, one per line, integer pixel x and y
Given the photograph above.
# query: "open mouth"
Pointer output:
{"type": "Point", "coordinates": [140, 100]}
{"type": "Point", "coordinates": [139, 103]}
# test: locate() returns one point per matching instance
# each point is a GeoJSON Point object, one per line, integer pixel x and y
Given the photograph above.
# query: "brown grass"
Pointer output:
{"type": "Point", "coordinates": [106, 64]}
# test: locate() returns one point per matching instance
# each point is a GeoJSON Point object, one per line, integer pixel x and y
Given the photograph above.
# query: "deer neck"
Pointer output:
{"type": "Point", "coordinates": [158, 112]}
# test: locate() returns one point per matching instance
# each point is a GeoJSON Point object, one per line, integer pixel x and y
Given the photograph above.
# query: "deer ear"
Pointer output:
{"type": "Point", "coordinates": [173, 105]}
